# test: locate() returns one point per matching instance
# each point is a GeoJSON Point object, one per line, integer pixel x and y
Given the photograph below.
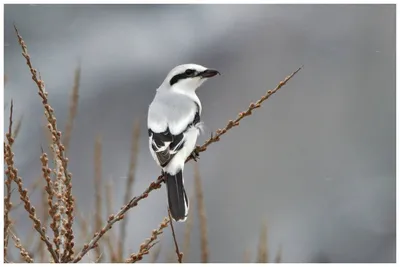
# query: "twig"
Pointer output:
{"type": "Point", "coordinates": [148, 243]}
{"type": "Point", "coordinates": [177, 251]}
{"type": "Point", "coordinates": [202, 215]}
{"type": "Point", "coordinates": [54, 225]}
{"type": "Point", "coordinates": [56, 136]}
{"type": "Point", "coordinates": [7, 182]}
{"type": "Point", "coordinates": [13, 173]}
{"type": "Point", "coordinates": [262, 256]}
{"type": "Point", "coordinates": [97, 187]}
{"type": "Point", "coordinates": [129, 183]}
{"type": "Point", "coordinates": [157, 184]}
{"type": "Point", "coordinates": [24, 254]}
{"type": "Point", "coordinates": [73, 108]}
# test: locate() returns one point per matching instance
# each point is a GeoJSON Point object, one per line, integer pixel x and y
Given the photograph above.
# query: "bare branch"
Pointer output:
{"type": "Point", "coordinates": [148, 243]}
{"type": "Point", "coordinates": [178, 253]}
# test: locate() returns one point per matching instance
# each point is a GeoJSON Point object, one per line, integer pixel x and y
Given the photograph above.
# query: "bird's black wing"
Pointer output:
{"type": "Point", "coordinates": [165, 145]}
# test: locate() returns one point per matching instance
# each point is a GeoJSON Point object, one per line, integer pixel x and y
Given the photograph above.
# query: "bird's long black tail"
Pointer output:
{"type": "Point", "coordinates": [177, 200]}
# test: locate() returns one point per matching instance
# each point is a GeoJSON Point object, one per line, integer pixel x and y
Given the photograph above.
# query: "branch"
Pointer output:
{"type": "Point", "coordinates": [148, 243]}
{"type": "Point", "coordinates": [157, 184]}
{"type": "Point", "coordinates": [178, 253]}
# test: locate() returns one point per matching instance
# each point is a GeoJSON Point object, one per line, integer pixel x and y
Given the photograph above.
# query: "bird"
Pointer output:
{"type": "Point", "coordinates": [173, 126]}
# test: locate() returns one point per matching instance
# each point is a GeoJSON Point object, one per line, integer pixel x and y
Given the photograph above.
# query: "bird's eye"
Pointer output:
{"type": "Point", "coordinates": [189, 72]}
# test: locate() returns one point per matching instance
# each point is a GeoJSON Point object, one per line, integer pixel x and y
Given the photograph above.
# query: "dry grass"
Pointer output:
{"type": "Point", "coordinates": [58, 197]}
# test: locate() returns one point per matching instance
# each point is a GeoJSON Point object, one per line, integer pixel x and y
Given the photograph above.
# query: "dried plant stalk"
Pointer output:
{"type": "Point", "coordinates": [177, 251]}
{"type": "Point", "coordinates": [24, 253]}
{"type": "Point", "coordinates": [201, 214]}
{"type": "Point", "coordinates": [148, 243]}
{"type": "Point", "coordinates": [52, 211]}
{"type": "Point", "coordinates": [97, 187]}
{"type": "Point", "coordinates": [73, 108]}
{"type": "Point", "coordinates": [157, 184]}
{"type": "Point", "coordinates": [56, 137]}
{"type": "Point", "coordinates": [129, 184]}
{"type": "Point", "coordinates": [13, 173]}
{"type": "Point", "coordinates": [262, 256]}
{"type": "Point", "coordinates": [7, 183]}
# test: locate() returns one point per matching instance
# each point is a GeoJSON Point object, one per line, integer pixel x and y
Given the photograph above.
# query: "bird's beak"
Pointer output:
{"type": "Point", "coordinates": [208, 73]}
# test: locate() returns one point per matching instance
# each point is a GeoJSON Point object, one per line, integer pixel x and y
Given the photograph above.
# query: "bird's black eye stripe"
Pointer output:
{"type": "Point", "coordinates": [187, 74]}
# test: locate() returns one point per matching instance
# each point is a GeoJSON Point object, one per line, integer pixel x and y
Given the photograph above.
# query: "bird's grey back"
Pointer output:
{"type": "Point", "coordinates": [171, 109]}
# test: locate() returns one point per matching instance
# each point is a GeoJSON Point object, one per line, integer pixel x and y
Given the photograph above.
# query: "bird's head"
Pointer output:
{"type": "Point", "coordinates": [188, 77]}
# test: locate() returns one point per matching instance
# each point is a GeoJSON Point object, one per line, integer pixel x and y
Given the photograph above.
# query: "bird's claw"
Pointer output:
{"type": "Point", "coordinates": [195, 154]}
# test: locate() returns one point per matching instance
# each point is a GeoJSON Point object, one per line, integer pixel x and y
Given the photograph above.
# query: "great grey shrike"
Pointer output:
{"type": "Point", "coordinates": [174, 125]}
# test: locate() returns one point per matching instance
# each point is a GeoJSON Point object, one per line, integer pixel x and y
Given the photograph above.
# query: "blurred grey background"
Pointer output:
{"type": "Point", "coordinates": [316, 162]}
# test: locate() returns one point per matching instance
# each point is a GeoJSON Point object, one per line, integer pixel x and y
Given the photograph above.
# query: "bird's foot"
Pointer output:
{"type": "Point", "coordinates": [163, 176]}
{"type": "Point", "coordinates": [195, 154]}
